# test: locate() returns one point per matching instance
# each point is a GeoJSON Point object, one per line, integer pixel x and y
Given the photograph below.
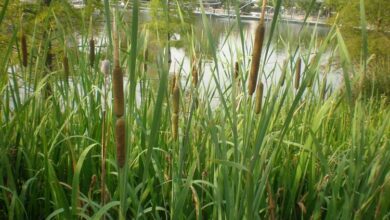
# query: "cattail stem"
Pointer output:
{"type": "Point", "coordinates": [298, 73]}
{"type": "Point", "coordinates": [259, 97]}
{"type": "Point", "coordinates": [263, 11]}
{"type": "Point", "coordinates": [23, 43]}
{"type": "Point", "coordinates": [105, 69]}
{"type": "Point", "coordinates": [103, 154]}
{"type": "Point", "coordinates": [116, 45]}
{"type": "Point", "coordinates": [175, 126]}
{"type": "Point", "coordinates": [271, 203]}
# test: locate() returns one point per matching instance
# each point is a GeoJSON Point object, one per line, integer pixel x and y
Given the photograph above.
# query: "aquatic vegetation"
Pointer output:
{"type": "Point", "coordinates": [125, 142]}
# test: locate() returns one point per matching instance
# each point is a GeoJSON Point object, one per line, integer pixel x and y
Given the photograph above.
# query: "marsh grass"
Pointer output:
{"type": "Point", "coordinates": [301, 157]}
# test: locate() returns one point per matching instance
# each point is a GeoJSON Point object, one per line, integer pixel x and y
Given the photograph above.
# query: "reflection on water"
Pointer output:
{"type": "Point", "coordinates": [229, 49]}
{"type": "Point", "coordinates": [233, 46]}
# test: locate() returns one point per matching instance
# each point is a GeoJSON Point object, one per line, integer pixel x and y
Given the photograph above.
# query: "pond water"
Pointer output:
{"type": "Point", "coordinates": [230, 48]}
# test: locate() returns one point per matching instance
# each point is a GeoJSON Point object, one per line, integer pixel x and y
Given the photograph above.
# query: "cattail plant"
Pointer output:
{"type": "Point", "coordinates": [105, 69]}
{"type": "Point", "coordinates": [298, 73]}
{"type": "Point", "coordinates": [259, 97]}
{"type": "Point", "coordinates": [236, 85]}
{"type": "Point", "coordinates": [195, 74]}
{"type": "Point", "coordinates": [236, 70]}
{"type": "Point", "coordinates": [117, 81]}
{"type": "Point", "coordinates": [119, 106]}
{"type": "Point", "coordinates": [92, 186]}
{"type": "Point", "coordinates": [49, 57]}
{"type": "Point", "coordinates": [173, 83]}
{"type": "Point", "coordinates": [49, 66]}
{"type": "Point", "coordinates": [175, 108]}
{"type": "Point", "coordinates": [120, 124]}
{"type": "Point", "coordinates": [91, 52]}
{"type": "Point", "coordinates": [169, 58]}
{"type": "Point", "coordinates": [310, 67]}
{"type": "Point", "coordinates": [146, 57]}
{"type": "Point", "coordinates": [284, 72]}
{"type": "Point", "coordinates": [120, 141]}
{"type": "Point", "coordinates": [256, 55]}
{"type": "Point", "coordinates": [23, 43]}
{"type": "Point", "coordinates": [65, 64]}
{"type": "Point", "coordinates": [195, 81]}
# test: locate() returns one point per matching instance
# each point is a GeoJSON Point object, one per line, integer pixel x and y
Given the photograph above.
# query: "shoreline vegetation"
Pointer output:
{"type": "Point", "coordinates": [87, 133]}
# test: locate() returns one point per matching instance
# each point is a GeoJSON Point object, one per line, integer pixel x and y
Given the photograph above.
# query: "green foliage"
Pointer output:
{"type": "Point", "coordinates": [308, 6]}
{"type": "Point", "coordinates": [334, 5]}
{"type": "Point", "coordinates": [377, 14]}
{"type": "Point", "coordinates": [168, 20]}
{"type": "Point", "coordinates": [306, 155]}
{"type": "Point", "coordinates": [28, 18]}
{"type": "Point", "coordinates": [376, 81]}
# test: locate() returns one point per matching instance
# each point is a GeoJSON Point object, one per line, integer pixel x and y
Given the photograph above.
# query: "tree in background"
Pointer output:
{"type": "Point", "coordinates": [377, 74]}
{"type": "Point", "coordinates": [308, 6]}
{"type": "Point", "coordinates": [377, 13]}
{"type": "Point", "coordinates": [174, 18]}
{"type": "Point", "coordinates": [378, 22]}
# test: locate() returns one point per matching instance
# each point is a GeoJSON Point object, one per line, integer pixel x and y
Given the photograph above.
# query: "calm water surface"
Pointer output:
{"type": "Point", "coordinates": [230, 48]}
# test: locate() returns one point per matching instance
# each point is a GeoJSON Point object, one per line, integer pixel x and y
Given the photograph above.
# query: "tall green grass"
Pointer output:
{"type": "Point", "coordinates": [305, 155]}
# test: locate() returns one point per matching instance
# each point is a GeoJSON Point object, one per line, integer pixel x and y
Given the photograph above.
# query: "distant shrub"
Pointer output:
{"type": "Point", "coordinates": [376, 82]}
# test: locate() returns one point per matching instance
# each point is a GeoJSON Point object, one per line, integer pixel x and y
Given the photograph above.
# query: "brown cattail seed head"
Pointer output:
{"type": "Point", "coordinates": [120, 127]}
{"type": "Point", "coordinates": [298, 73]}
{"type": "Point", "coordinates": [195, 75]}
{"type": "Point", "coordinates": [65, 63]}
{"type": "Point", "coordinates": [146, 57]}
{"type": "Point", "coordinates": [175, 108]}
{"type": "Point", "coordinates": [91, 52]}
{"type": "Point", "coordinates": [49, 57]}
{"type": "Point", "coordinates": [259, 97]}
{"type": "Point", "coordinates": [169, 58]}
{"type": "Point", "coordinates": [236, 70]}
{"type": "Point", "coordinates": [105, 67]}
{"type": "Point", "coordinates": [117, 87]}
{"type": "Point", "coordinates": [23, 43]}
{"type": "Point", "coordinates": [256, 55]}
{"type": "Point", "coordinates": [173, 83]}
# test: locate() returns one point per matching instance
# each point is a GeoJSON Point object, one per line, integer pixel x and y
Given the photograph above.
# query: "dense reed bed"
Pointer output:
{"type": "Point", "coordinates": [150, 150]}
